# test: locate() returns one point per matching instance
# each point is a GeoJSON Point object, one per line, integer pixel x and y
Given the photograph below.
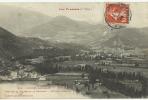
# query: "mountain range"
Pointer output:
{"type": "Point", "coordinates": [62, 29]}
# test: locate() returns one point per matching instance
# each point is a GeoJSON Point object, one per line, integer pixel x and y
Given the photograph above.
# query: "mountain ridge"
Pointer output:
{"type": "Point", "coordinates": [16, 19]}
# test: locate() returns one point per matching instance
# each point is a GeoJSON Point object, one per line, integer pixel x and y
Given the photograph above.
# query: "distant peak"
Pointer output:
{"type": "Point", "coordinates": [62, 18]}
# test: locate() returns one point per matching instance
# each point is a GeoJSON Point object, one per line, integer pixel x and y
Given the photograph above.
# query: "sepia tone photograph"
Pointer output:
{"type": "Point", "coordinates": [73, 50]}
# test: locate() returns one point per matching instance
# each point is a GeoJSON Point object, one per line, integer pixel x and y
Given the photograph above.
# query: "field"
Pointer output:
{"type": "Point", "coordinates": [142, 70]}
{"type": "Point", "coordinates": [68, 80]}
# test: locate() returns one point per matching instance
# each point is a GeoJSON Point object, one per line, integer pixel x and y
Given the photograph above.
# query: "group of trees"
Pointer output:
{"type": "Point", "coordinates": [119, 75]}
{"type": "Point", "coordinates": [46, 68]}
{"type": "Point", "coordinates": [122, 88]}
{"type": "Point", "coordinates": [112, 81]}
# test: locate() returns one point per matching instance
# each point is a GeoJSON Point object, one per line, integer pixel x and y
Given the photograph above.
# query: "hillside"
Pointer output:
{"type": "Point", "coordinates": [131, 37]}
{"type": "Point", "coordinates": [14, 46]}
{"type": "Point", "coordinates": [10, 45]}
{"type": "Point", "coordinates": [64, 29]}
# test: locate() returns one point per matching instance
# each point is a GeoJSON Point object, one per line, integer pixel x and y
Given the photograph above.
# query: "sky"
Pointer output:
{"type": "Point", "coordinates": [90, 12]}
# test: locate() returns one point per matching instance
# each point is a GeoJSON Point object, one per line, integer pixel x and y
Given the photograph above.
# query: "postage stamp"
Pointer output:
{"type": "Point", "coordinates": [117, 15]}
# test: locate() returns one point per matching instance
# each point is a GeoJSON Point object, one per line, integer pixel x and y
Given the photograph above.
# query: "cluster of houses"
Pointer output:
{"type": "Point", "coordinates": [23, 72]}
{"type": "Point", "coordinates": [23, 76]}
{"type": "Point", "coordinates": [114, 57]}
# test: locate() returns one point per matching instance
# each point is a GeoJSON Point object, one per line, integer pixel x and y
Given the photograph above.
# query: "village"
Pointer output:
{"type": "Point", "coordinates": [74, 72]}
{"type": "Point", "coordinates": [105, 58]}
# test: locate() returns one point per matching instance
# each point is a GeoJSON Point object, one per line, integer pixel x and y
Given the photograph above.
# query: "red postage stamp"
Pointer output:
{"type": "Point", "coordinates": [117, 13]}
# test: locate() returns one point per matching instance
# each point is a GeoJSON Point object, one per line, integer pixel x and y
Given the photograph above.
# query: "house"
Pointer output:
{"type": "Point", "coordinates": [80, 66]}
{"type": "Point", "coordinates": [104, 62]}
{"type": "Point", "coordinates": [40, 59]}
{"type": "Point", "coordinates": [13, 74]}
{"type": "Point", "coordinates": [63, 58]}
{"type": "Point", "coordinates": [42, 78]}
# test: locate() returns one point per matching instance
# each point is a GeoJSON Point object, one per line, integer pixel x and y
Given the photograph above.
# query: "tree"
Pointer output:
{"type": "Point", "coordinates": [92, 77]}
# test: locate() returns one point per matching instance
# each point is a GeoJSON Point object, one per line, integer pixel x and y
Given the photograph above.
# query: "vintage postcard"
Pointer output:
{"type": "Point", "coordinates": [73, 50]}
